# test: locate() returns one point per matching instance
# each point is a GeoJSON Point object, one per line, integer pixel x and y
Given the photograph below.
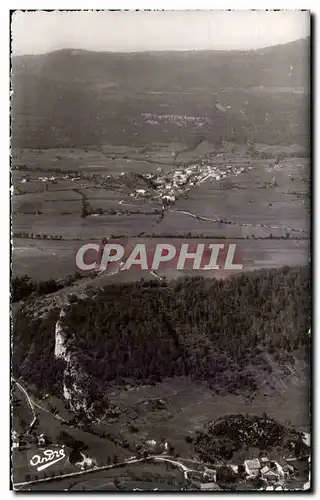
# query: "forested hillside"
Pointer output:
{"type": "Point", "coordinates": [221, 332]}
{"type": "Point", "coordinates": [174, 69]}
{"type": "Point", "coordinates": [72, 98]}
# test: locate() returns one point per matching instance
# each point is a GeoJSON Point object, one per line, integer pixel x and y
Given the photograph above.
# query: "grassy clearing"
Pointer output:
{"type": "Point", "coordinates": [189, 406]}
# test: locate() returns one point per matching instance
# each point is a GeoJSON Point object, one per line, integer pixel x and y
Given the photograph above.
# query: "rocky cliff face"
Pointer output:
{"type": "Point", "coordinates": [60, 350]}
{"type": "Point", "coordinates": [79, 388]}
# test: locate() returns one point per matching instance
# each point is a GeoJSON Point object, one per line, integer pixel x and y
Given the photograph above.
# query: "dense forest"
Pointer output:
{"type": "Point", "coordinates": [223, 332]}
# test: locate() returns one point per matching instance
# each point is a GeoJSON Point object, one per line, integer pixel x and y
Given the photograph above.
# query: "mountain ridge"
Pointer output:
{"type": "Point", "coordinates": [75, 98]}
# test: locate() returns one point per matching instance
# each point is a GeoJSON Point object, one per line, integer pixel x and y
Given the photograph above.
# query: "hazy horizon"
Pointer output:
{"type": "Point", "coordinates": [43, 32]}
{"type": "Point", "coordinates": [151, 51]}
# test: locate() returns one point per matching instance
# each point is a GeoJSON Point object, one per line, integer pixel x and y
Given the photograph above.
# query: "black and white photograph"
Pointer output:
{"type": "Point", "coordinates": [160, 291]}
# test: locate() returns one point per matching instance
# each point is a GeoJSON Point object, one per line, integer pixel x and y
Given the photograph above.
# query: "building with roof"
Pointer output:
{"type": "Point", "coordinates": [16, 440]}
{"type": "Point", "coordinates": [276, 467]}
{"type": "Point", "coordinates": [288, 470]}
{"type": "Point", "coordinates": [42, 439]}
{"type": "Point", "coordinates": [269, 475]}
{"type": "Point", "coordinates": [264, 461]}
{"type": "Point", "coordinates": [252, 467]}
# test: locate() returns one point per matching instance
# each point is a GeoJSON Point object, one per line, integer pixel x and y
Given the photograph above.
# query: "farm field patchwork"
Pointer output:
{"type": "Point", "coordinates": [88, 228]}
{"type": "Point", "coordinates": [263, 203]}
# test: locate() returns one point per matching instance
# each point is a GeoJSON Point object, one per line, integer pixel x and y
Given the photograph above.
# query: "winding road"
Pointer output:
{"type": "Point", "coordinates": [220, 219]}
{"type": "Point", "coordinates": [29, 401]}
{"type": "Point", "coordinates": [32, 404]}
{"type": "Point", "coordinates": [156, 458]}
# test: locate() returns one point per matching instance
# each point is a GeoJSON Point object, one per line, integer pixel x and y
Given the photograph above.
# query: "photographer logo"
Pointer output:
{"type": "Point", "coordinates": [48, 458]}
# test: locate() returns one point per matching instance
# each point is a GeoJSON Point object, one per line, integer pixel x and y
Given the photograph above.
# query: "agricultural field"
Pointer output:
{"type": "Point", "coordinates": [44, 259]}
{"type": "Point", "coordinates": [105, 158]}
{"type": "Point", "coordinates": [92, 227]}
{"type": "Point", "coordinates": [60, 158]}
{"type": "Point", "coordinates": [260, 204]}
{"type": "Point", "coordinates": [264, 195]}
{"type": "Point", "coordinates": [118, 165]}
{"type": "Point", "coordinates": [46, 203]}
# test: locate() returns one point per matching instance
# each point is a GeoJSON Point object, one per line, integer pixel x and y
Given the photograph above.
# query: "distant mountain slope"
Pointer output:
{"type": "Point", "coordinates": [76, 97]}
{"type": "Point", "coordinates": [168, 70]}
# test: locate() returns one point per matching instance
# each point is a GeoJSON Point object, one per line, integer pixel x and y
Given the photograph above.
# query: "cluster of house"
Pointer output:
{"type": "Point", "coordinates": [179, 120]}
{"type": "Point", "coordinates": [25, 441]}
{"type": "Point", "coordinates": [181, 180]}
{"type": "Point", "coordinates": [268, 470]}
{"type": "Point", "coordinates": [52, 178]}
{"type": "Point", "coordinates": [271, 474]}
{"type": "Point", "coordinates": [153, 446]}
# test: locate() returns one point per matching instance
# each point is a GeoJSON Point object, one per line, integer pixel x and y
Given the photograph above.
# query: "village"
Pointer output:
{"type": "Point", "coordinates": [261, 473]}
{"type": "Point", "coordinates": [161, 187]}
{"type": "Point", "coordinates": [180, 180]}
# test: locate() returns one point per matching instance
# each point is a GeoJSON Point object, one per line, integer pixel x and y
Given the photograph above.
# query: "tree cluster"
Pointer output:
{"type": "Point", "coordinates": [241, 432]}
{"type": "Point", "coordinates": [23, 287]}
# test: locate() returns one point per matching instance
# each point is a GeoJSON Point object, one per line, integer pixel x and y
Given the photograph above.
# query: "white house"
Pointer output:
{"type": "Point", "coordinates": [252, 467]}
